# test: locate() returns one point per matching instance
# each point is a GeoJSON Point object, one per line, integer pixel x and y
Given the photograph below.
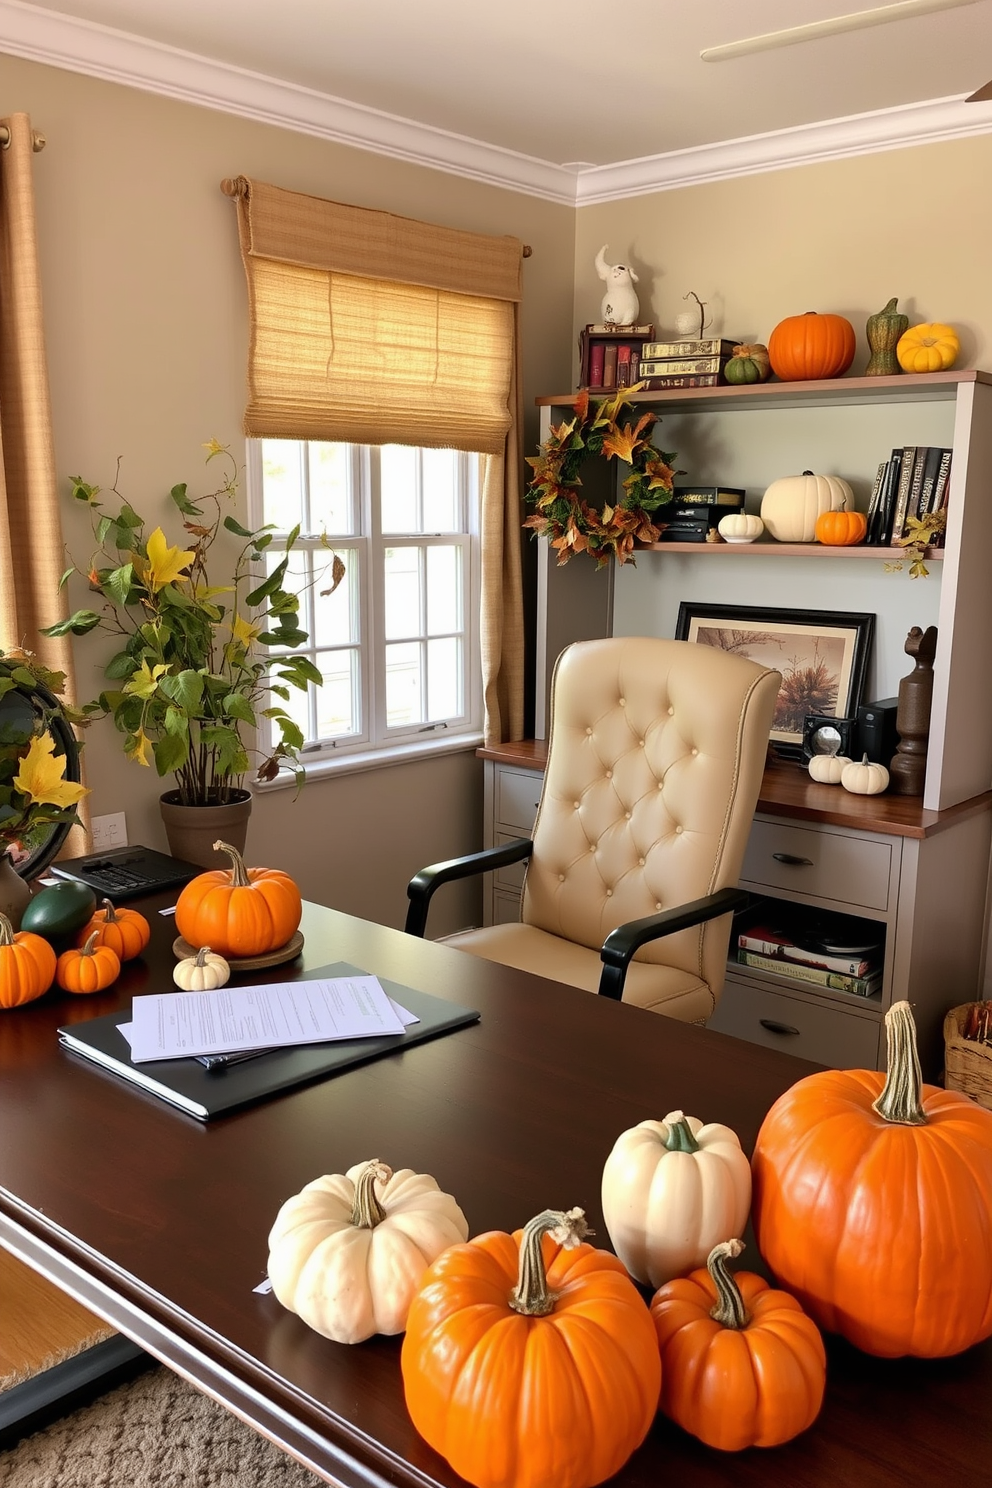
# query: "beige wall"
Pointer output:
{"type": "Point", "coordinates": [146, 324]}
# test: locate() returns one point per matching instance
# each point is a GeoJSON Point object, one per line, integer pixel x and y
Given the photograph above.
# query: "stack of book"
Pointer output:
{"type": "Point", "coordinates": [912, 482]}
{"type": "Point", "coordinates": [766, 947]}
{"type": "Point", "coordinates": [693, 510]}
{"type": "Point", "coordinates": [683, 364]}
{"type": "Point", "coordinates": [610, 356]}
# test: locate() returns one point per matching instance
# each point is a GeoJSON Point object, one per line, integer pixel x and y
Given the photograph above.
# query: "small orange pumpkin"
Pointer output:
{"type": "Point", "coordinates": [27, 965]}
{"type": "Point", "coordinates": [125, 931]}
{"type": "Point", "coordinates": [811, 346]}
{"type": "Point", "coordinates": [89, 968]}
{"type": "Point", "coordinates": [839, 529]}
{"type": "Point", "coordinates": [747, 1372]}
{"type": "Point", "coordinates": [239, 911]}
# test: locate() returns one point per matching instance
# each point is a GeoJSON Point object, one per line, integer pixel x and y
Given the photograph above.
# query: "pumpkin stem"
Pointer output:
{"type": "Point", "coordinates": [366, 1211]}
{"type": "Point", "coordinates": [901, 1097]}
{"type": "Point", "coordinates": [680, 1137]}
{"type": "Point", "coordinates": [109, 913]}
{"type": "Point", "coordinates": [90, 946]}
{"type": "Point", "coordinates": [729, 1311]}
{"type": "Point", "coordinates": [6, 931]}
{"type": "Point", "coordinates": [531, 1295]}
{"type": "Point", "coordinates": [201, 956]}
{"type": "Point", "coordinates": [239, 873]}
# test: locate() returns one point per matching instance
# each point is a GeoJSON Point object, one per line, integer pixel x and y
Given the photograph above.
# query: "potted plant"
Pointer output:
{"type": "Point", "coordinates": [190, 678]}
{"type": "Point", "coordinates": [39, 775]}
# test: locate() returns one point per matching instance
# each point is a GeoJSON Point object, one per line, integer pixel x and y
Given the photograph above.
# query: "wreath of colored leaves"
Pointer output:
{"type": "Point", "coordinates": [563, 516]}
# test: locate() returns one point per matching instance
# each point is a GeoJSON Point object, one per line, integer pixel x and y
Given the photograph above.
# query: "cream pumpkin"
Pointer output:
{"type": "Point", "coordinates": [828, 768]}
{"type": "Point", "coordinates": [863, 778]}
{"type": "Point", "coordinates": [740, 527]}
{"type": "Point", "coordinates": [669, 1187]}
{"type": "Point", "coordinates": [349, 1251]}
{"type": "Point", "coordinates": [204, 972]}
{"type": "Point", "coordinates": [790, 507]}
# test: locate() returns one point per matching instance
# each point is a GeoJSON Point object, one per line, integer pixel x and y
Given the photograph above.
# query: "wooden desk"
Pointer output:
{"type": "Point", "coordinates": [159, 1223]}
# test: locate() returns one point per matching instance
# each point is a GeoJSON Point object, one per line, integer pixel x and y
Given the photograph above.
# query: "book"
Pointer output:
{"type": "Point", "coordinates": [902, 492]}
{"type": "Point", "coordinates": [887, 498]}
{"type": "Point", "coordinates": [876, 493]}
{"type": "Point", "coordinates": [930, 470]}
{"type": "Point", "coordinates": [768, 941]}
{"type": "Point", "coordinates": [729, 497]}
{"type": "Point", "coordinates": [609, 365]}
{"type": "Point", "coordinates": [617, 330]}
{"type": "Point", "coordinates": [623, 365]}
{"type": "Point", "coordinates": [688, 380]}
{"type": "Point", "coordinates": [596, 355]}
{"type": "Point", "coordinates": [702, 346]}
{"type": "Point", "coordinates": [204, 1092]}
{"type": "Point", "coordinates": [943, 480]}
{"type": "Point", "coordinates": [915, 486]}
{"type": "Point", "coordinates": [678, 366]}
{"type": "Point", "coordinates": [702, 511]}
{"type": "Point", "coordinates": [836, 981]}
{"type": "Point", "coordinates": [684, 534]}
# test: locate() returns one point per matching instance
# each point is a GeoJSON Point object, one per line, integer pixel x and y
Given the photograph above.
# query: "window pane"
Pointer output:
{"type": "Point", "coordinates": [332, 509]}
{"type": "Point", "coordinates": [398, 476]}
{"type": "Point", "coordinates": [443, 590]}
{"type": "Point", "coordinates": [401, 572]}
{"type": "Point", "coordinates": [282, 483]}
{"type": "Point", "coordinates": [443, 679]}
{"type": "Point", "coordinates": [403, 690]}
{"type": "Point", "coordinates": [338, 707]}
{"type": "Point", "coordinates": [336, 615]}
{"type": "Point", "coordinates": [440, 503]}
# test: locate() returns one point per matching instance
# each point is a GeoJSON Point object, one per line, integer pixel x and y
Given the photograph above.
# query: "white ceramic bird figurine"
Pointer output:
{"type": "Point", "coordinates": [620, 303]}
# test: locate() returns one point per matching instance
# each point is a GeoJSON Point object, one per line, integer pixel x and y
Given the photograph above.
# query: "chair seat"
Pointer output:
{"type": "Point", "coordinates": [661, 989]}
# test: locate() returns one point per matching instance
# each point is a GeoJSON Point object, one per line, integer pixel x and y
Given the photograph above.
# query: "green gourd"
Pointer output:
{"type": "Point", "coordinates": [60, 910]}
{"type": "Point", "coordinates": [748, 364]}
{"type": "Point", "coordinates": [884, 330]}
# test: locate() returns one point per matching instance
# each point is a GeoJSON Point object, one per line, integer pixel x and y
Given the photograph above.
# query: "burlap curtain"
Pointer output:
{"type": "Point", "coordinates": [376, 329]}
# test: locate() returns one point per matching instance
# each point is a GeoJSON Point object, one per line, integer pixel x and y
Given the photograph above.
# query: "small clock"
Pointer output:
{"type": "Point", "coordinates": [825, 735]}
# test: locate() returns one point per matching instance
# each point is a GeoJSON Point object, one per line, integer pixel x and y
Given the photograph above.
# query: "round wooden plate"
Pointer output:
{"type": "Point", "coordinates": [182, 948]}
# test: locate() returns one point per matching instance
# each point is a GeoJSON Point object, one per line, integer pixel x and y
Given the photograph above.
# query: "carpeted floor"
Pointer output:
{"type": "Point", "coordinates": [154, 1432]}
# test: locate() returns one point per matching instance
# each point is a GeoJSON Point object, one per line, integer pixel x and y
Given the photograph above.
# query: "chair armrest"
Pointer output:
{"type": "Point", "coordinates": [621, 943]}
{"type": "Point", "coordinates": [422, 886]}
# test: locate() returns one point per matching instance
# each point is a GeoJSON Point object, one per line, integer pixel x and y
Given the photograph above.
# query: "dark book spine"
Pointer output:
{"type": "Point", "coordinates": [596, 352]}
{"type": "Point", "coordinates": [889, 489]}
{"type": "Point", "coordinates": [623, 366]}
{"type": "Point", "coordinates": [873, 504]}
{"type": "Point", "coordinates": [943, 481]}
{"type": "Point", "coordinates": [902, 494]}
{"type": "Point", "coordinates": [700, 379]}
{"type": "Point", "coordinates": [916, 485]}
{"type": "Point", "coordinates": [609, 365]}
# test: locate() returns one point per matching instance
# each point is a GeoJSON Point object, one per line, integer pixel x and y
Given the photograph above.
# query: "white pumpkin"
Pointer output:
{"type": "Point", "coordinates": [864, 778]}
{"type": "Point", "coordinates": [740, 527]}
{"type": "Point", "coordinates": [828, 768]}
{"type": "Point", "coordinates": [348, 1252]}
{"type": "Point", "coordinates": [790, 506]}
{"type": "Point", "coordinates": [203, 972]}
{"type": "Point", "coordinates": [670, 1188]}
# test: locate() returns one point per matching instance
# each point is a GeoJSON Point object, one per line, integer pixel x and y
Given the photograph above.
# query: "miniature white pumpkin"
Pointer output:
{"type": "Point", "coordinates": [828, 768]}
{"type": "Point", "coordinates": [864, 779]}
{"type": "Point", "coordinates": [349, 1251]}
{"type": "Point", "coordinates": [670, 1187]}
{"type": "Point", "coordinates": [740, 527]}
{"type": "Point", "coordinates": [790, 506]}
{"type": "Point", "coordinates": [201, 973]}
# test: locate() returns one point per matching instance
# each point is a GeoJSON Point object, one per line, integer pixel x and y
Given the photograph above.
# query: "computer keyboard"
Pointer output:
{"type": "Point", "coordinates": [127, 872]}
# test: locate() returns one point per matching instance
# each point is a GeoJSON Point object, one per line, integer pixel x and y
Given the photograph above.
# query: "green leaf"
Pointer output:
{"type": "Point", "coordinates": [299, 670]}
{"type": "Point", "coordinates": [292, 734]}
{"type": "Point", "coordinates": [282, 692]}
{"type": "Point", "coordinates": [271, 584]}
{"type": "Point", "coordinates": [184, 688]}
{"type": "Point", "coordinates": [284, 636]}
{"type": "Point", "coordinates": [236, 705]}
{"type": "Point", "coordinates": [103, 526]}
{"type": "Point", "coordinates": [292, 537]}
{"type": "Point", "coordinates": [77, 624]}
{"type": "Point", "coordinates": [65, 579]}
{"type": "Point", "coordinates": [171, 752]}
{"type": "Point", "coordinates": [81, 491]}
{"type": "Point", "coordinates": [188, 509]}
{"type": "Point", "coordinates": [261, 543]}
{"type": "Point", "coordinates": [127, 517]}
{"type": "Point", "coordinates": [236, 528]}
{"type": "Point", "coordinates": [119, 583]}
{"type": "Point", "coordinates": [176, 722]}
{"type": "Point", "coordinates": [121, 666]}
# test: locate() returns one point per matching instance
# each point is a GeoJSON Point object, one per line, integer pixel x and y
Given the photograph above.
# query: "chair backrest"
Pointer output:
{"type": "Point", "coordinates": [655, 759]}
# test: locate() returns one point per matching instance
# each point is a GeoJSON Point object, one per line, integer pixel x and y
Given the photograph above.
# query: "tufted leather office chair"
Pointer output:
{"type": "Point", "coordinates": [655, 759]}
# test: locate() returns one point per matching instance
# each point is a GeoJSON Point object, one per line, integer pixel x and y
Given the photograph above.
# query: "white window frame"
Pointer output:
{"type": "Point", "coordinates": [377, 744]}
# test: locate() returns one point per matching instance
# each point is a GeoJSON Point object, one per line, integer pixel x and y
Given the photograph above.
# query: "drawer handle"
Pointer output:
{"type": "Point", "coordinates": [773, 1026]}
{"type": "Point", "coordinates": [792, 861]}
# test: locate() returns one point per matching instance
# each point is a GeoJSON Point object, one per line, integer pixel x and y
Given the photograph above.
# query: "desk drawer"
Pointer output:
{"type": "Point", "coordinates": [808, 1028]}
{"type": "Point", "coordinates": [829, 865]}
{"type": "Point", "coordinates": [517, 795]}
{"type": "Point", "coordinates": [512, 876]}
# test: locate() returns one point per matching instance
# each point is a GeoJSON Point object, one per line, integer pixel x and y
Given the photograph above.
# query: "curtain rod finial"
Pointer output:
{"type": "Point", "coordinates": [234, 186]}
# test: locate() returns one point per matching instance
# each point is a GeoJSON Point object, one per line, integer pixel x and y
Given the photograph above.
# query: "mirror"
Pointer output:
{"type": "Point", "coordinates": [20, 710]}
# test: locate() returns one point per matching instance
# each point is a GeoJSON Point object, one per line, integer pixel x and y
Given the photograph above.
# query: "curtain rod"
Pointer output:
{"type": "Point", "coordinates": [233, 187]}
{"type": "Point", "coordinates": [38, 141]}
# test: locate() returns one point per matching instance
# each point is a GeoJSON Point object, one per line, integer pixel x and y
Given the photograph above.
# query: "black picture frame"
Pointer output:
{"type": "Point", "coordinates": [822, 655]}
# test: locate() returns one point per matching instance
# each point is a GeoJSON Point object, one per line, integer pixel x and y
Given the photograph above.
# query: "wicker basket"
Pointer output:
{"type": "Point", "coordinates": [967, 1064]}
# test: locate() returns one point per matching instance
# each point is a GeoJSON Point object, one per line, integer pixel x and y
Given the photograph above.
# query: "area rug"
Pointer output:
{"type": "Point", "coordinates": [154, 1432]}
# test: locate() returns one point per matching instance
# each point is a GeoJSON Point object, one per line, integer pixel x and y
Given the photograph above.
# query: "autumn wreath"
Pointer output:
{"type": "Point", "coordinates": [570, 522]}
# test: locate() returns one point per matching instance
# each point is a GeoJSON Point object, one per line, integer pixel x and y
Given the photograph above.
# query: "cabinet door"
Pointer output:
{"type": "Point", "coordinates": [854, 871]}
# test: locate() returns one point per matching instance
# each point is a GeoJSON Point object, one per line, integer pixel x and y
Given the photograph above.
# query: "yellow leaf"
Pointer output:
{"type": "Point", "coordinates": [143, 683]}
{"type": "Point", "coordinates": [139, 747]}
{"type": "Point", "coordinates": [214, 447]}
{"type": "Point", "coordinates": [244, 632]}
{"type": "Point", "coordinates": [41, 775]}
{"type": "Point", "coordinates": [164, 564]}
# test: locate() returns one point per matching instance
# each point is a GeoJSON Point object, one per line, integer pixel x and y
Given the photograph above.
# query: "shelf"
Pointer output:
{"type": "Point", "coordinates": [788, 550]}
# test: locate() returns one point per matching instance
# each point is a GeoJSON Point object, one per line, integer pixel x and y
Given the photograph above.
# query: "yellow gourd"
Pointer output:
{"type": "Point", "coordinates": [932, 347]}
{"type": "Point", "coordinates": [740, 527]}
{"type": "Point", "coordinates": [828, 768]}
{"type": "Point", "coordinates": [864, 779]}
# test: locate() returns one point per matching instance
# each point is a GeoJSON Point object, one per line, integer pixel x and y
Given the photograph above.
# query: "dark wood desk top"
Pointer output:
{"type": "Point", "coordinates": [160, 1222]}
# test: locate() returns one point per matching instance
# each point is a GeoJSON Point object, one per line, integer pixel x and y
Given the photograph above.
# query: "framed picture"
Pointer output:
{"type": "Point", "coordinates": [822, 655]}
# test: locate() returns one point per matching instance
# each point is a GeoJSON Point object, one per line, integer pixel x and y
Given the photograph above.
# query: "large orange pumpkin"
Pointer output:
{"type": "Point", "coordinates": [530, 1359]}
{"type": "Point", "coordinates": [27, 965]}
{"type": "Point", "coordinates": [873, 1204]}
{"type": "Point", "coordinates": [239, 911]}
{"type": "Point", "coordinates": [741, 1365]}
{"type": "Point", "coordinates": [811, 346]}
{"type": "Point", "coordinates": [125, 931]}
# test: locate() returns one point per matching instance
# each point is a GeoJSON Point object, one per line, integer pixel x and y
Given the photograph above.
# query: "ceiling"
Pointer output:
{"type": "Point", "coordinates": [589, 87]}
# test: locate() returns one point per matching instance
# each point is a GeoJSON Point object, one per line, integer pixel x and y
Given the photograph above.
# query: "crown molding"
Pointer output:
{"type": "Point", "coordinates": [75, 45]}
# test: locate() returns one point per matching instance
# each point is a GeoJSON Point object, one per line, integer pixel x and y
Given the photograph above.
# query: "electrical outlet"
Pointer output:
{"type": "Point", "coordinates": [109, 831]}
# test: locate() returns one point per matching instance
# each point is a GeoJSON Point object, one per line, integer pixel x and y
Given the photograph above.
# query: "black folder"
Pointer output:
{"type": "Point", "coordinates": [206, 1092]}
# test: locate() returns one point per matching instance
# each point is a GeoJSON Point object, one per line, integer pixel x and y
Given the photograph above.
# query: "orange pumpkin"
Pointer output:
{"type": "Point", "coordinates": [27, 965]}
{"type": "Point", "coordinates": [89, 968]}
{"type": "Point", "coordinates": [747, 1372]}
{"type": "Point", "coordinates": [873, 1203]}
{"type": "Point", "coordinates": [838, 529]}
{"type": "Point", "coordinates": [239, 911]}
{"type": "Point", "coordinates": [811, 346]}
{"type": "Point", "coordinates": [125, 931]}
{"type": "Point", "coordinates": [531, 1359]}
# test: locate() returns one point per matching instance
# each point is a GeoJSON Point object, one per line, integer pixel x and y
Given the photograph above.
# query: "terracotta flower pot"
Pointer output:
{"type": "Point", "coordinates": [193, 830]}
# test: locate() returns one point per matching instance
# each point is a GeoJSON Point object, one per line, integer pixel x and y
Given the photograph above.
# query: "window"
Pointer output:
{"type": "Point", "coordinates": [396, 641]}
